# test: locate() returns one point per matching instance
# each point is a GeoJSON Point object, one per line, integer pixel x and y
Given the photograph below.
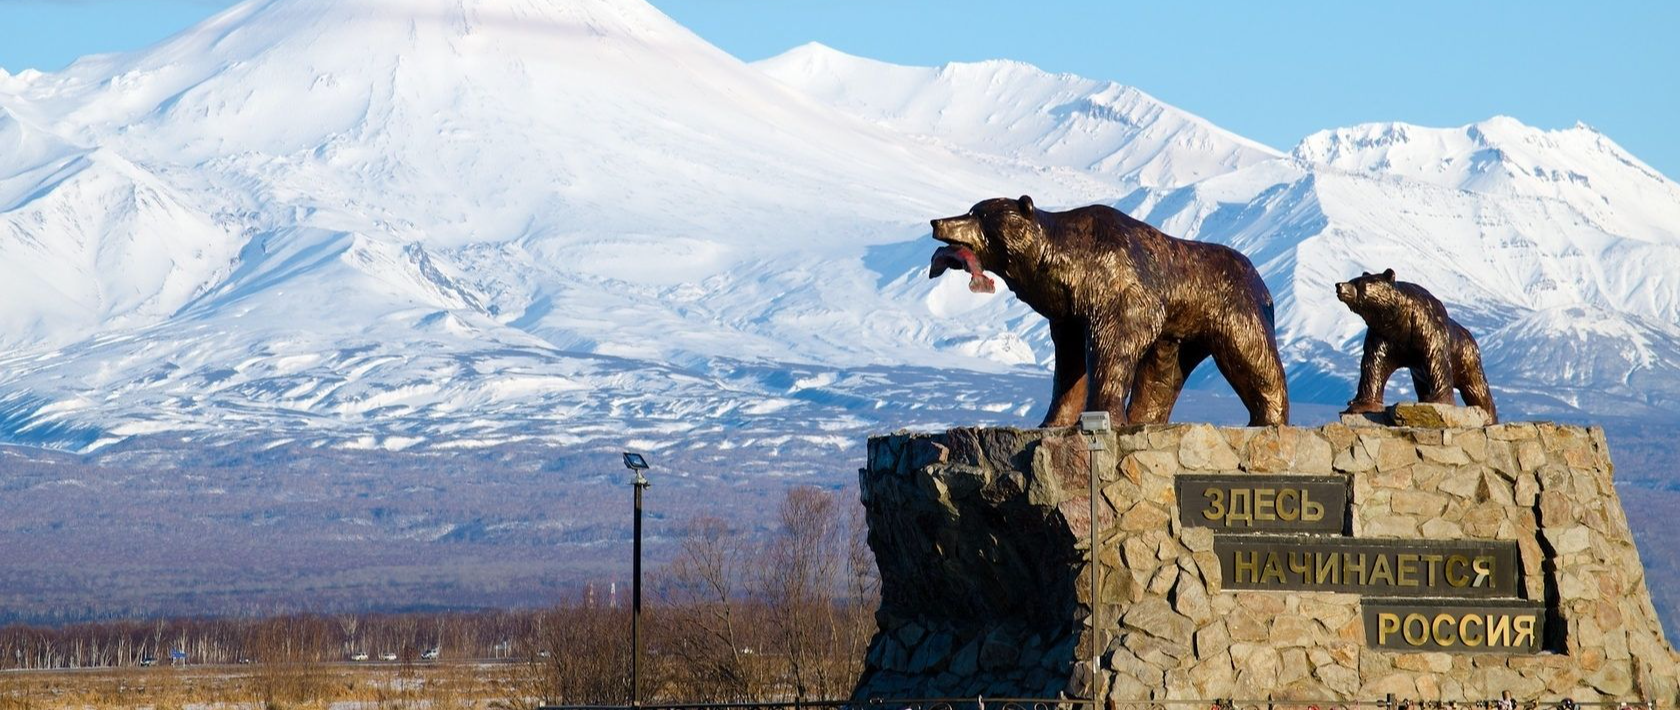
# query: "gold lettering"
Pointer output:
{"type": "Point", "coordinates": [1405, 572]}
{"type": "Point", "coordinates": [1435, 629]}
{"type": "Point", "coordinates": [1293, 511]}
{"type": "Point", "coordinates": [1464, 630]}
{"type": "Point", "coordinates": [1311, 511]}
{"type": "Point", "coordinates": [1458, 579]}
{"type": "Point", "coordinates": [1216, 503]}
{"type": "Point", "coordinates": [1380, 570]}
{"type": "Point", "coordinates": [1387, 623]}
{"type": "Point", "coordinates": [1300, 564]}
{"type": "Point", "coordinates": [1422, 634]}
{"type": "Point", "coordinates": [1525, 632]}
{"type": "Point", "coordinates": [1265, 501]}
{"type": "Point", "coordinates": [1329, 567]}
{"type": "Point", "coordinates": [1434, 562]}
{"type": "Point", "coordinates": [1274, 569]}
{"type": "Point", "coordinates": [1249, 566]}
{"type": "Point", "coordinates": [1484, 571]}
{"type": "Point", "coordinates": [1499, 634]}
{"type": "Point", "coordinates": [1241, 510]}
{"type": "Point", "coordinates": [1350, 569]}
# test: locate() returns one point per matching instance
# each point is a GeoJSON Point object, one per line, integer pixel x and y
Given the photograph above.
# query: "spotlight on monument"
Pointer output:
{"type": "Point", "coordinates": [1095, 423]}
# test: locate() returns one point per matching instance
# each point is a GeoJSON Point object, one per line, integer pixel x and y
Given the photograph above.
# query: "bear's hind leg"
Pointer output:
{"type": "Point", "coordinates": [1474, 388]}
{"type": "Point", "coordinates": [1160, 379]}
{"type": "Point", "coordinates": [1470, 378]}
{"type": "Point", "coordinates": [1120, 335]}
{"type": "Point", "coordinates": [1256, 374]}
{"type": "Point", "coordinates": [1429, 389]}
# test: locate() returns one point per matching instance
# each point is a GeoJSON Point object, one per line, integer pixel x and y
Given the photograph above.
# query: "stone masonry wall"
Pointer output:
{"type": "Point", "coordinates": [979, 534]}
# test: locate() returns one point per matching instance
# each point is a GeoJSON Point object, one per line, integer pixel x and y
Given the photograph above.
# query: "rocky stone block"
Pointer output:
{"type": "Point", "coordinates": [1425, 415]}
{"type": "Point", "coordinates": [980, 537]}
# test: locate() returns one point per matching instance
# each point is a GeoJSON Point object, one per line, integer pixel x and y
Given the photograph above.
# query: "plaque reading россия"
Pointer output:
{"type": "Point", "coordinates": [1453, 626]}
{"type": "Point", "coordinates": [1375, 567]}
{"type": "Point", "coordinates": [1251, 503]}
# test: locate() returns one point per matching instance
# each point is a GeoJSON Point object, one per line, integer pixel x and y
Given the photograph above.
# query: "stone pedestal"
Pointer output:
{"type": "Point", "coordinates": [981, 534]}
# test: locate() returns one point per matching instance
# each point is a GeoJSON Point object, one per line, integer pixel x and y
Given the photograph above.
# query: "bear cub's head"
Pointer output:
{"type": "Point", "coordinates": [985, 239]}
{"type": "Point", "coordinates": [1370, 293]}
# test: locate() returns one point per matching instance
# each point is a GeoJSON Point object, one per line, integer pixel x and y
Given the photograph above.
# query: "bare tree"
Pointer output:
{"type": "Point", "coordinates": [701, 590]}
{"type": "Point", "coordinates": [798, 580]}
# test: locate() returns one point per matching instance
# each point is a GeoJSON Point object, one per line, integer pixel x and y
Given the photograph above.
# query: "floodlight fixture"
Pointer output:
{"type": "Point", "coordinates": [1095, 422]}
{"type": "Point", "coordinates": [637, 464]}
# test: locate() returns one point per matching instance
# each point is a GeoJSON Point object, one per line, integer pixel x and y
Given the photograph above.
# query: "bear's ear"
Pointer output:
{"type": "Point", "coordinates": [1388, 275]}
{"type": "Point", "coordinates": [1364, 274]}
{"type": "Point", "coordinates": [1026, 205]}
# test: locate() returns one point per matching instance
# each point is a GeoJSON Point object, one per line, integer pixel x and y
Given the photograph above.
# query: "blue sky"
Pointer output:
{"type": "Point", "coordinates": [1274, 72]}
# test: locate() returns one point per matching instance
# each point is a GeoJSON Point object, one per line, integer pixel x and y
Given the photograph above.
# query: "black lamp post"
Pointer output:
{"type": "Point", "coordinates": [637, 465]}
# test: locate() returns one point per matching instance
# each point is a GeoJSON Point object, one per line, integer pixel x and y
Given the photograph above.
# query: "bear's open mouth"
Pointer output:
{"type": "Point", "coordinates": [955, 257]}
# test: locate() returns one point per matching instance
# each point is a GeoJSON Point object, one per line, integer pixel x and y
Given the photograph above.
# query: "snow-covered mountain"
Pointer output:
{"type": "Point", "coordinates": [386, 216]}
{"type": "Point", "coordinates": [1574, 291]}
{"type": "Point", "coordinates": [1015, 110]}
{"type": "Point", "coordinates": [435, 224]}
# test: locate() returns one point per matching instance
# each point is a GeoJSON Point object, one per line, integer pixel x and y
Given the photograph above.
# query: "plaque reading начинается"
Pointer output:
{"type": "Point", "coordinates": [1374, 567]}
{"type": "Point", "coordinates": [1263, 503]}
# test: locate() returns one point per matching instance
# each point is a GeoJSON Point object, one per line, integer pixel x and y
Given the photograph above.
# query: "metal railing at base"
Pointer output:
{"type": "Point", "coordinates": [1002, 703]}
{"type": "Point", "coordinates": [974, 703]}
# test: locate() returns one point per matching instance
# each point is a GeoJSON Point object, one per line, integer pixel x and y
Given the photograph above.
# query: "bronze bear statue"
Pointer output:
{"type": "Point", "coordinates": [1132, 311]}
{"type": "Point", "coordinates": [1408, 327]}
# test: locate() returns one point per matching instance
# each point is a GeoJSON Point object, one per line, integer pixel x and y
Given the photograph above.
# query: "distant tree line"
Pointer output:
{"type": "Point", "coordinates": [786, 615]}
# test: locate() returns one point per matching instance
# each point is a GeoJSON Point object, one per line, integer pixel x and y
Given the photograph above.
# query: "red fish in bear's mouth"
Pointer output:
{"type": "Point", "coordinates": [955, 257]}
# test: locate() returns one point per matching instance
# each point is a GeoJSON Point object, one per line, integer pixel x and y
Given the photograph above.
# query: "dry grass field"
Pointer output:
{"type": "Point", "coordinates": [338, 686]}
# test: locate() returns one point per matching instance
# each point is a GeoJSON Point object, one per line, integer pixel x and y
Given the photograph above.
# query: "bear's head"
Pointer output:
{"type": "Point", "coordinates": [1371, 293]}
{"type": "Point", "coordinates": [987, 238]}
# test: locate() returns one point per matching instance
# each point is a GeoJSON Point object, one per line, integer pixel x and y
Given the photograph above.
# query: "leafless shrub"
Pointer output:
{"type": "Point", "coordinates": [787, 615]}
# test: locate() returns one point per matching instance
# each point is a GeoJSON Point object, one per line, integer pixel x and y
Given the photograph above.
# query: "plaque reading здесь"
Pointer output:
{"type": "Point", "coordinates": [1390, 568]}
{"type": "Point", "coordinates": [1281, 503]}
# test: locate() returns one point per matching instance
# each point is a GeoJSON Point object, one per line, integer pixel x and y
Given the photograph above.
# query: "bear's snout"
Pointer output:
{"type": "Point", "coordinates": [963, 231]}
{"type": "Point", "coordinates": [1344, 291]}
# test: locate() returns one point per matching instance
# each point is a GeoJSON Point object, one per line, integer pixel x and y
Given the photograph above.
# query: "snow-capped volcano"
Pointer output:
{"type": "Point", "coordinates": [1503, 157]}
{"type": "Point", "coordinates": [1011, 109]}
{"type": "Point", "coordinates": [450, 123]}
{"type": "Point", "coordinates": [305, 214]}
{"type": "Point", "coordinates": [443, 223]}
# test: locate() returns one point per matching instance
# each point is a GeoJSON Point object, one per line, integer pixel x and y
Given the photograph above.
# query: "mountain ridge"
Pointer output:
{"type": "Point", "coordinates": [611, 202]}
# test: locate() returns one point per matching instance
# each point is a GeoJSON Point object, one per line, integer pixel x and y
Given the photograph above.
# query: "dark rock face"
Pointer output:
{"type": "Point", "coordinates": [1132, 311]}
{"type": "Point", "coordinates": [980, 536]}
{"type": "Point", "coordinates": [966, 525]}
{"type": "Point", "coordinates": [1408, 327]}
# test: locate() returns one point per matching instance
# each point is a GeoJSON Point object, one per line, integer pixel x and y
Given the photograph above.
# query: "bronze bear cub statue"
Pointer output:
{"type": "Point", "coordinates": [1132, 311]}
{"type": "Point", "coordinates": [1408, 327]}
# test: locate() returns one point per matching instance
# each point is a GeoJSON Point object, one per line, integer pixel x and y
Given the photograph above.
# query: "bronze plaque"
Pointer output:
{"type": "Point", "coordinates": [1375, 567]}
{"type": "Point", "coordinates": [1452, 626]}
{"type": "Point", "coordinates": [1280, 503]}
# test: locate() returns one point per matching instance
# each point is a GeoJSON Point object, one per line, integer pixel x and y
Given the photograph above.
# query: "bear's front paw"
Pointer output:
{"type": "Point", "coordinates": [1358, 407]}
